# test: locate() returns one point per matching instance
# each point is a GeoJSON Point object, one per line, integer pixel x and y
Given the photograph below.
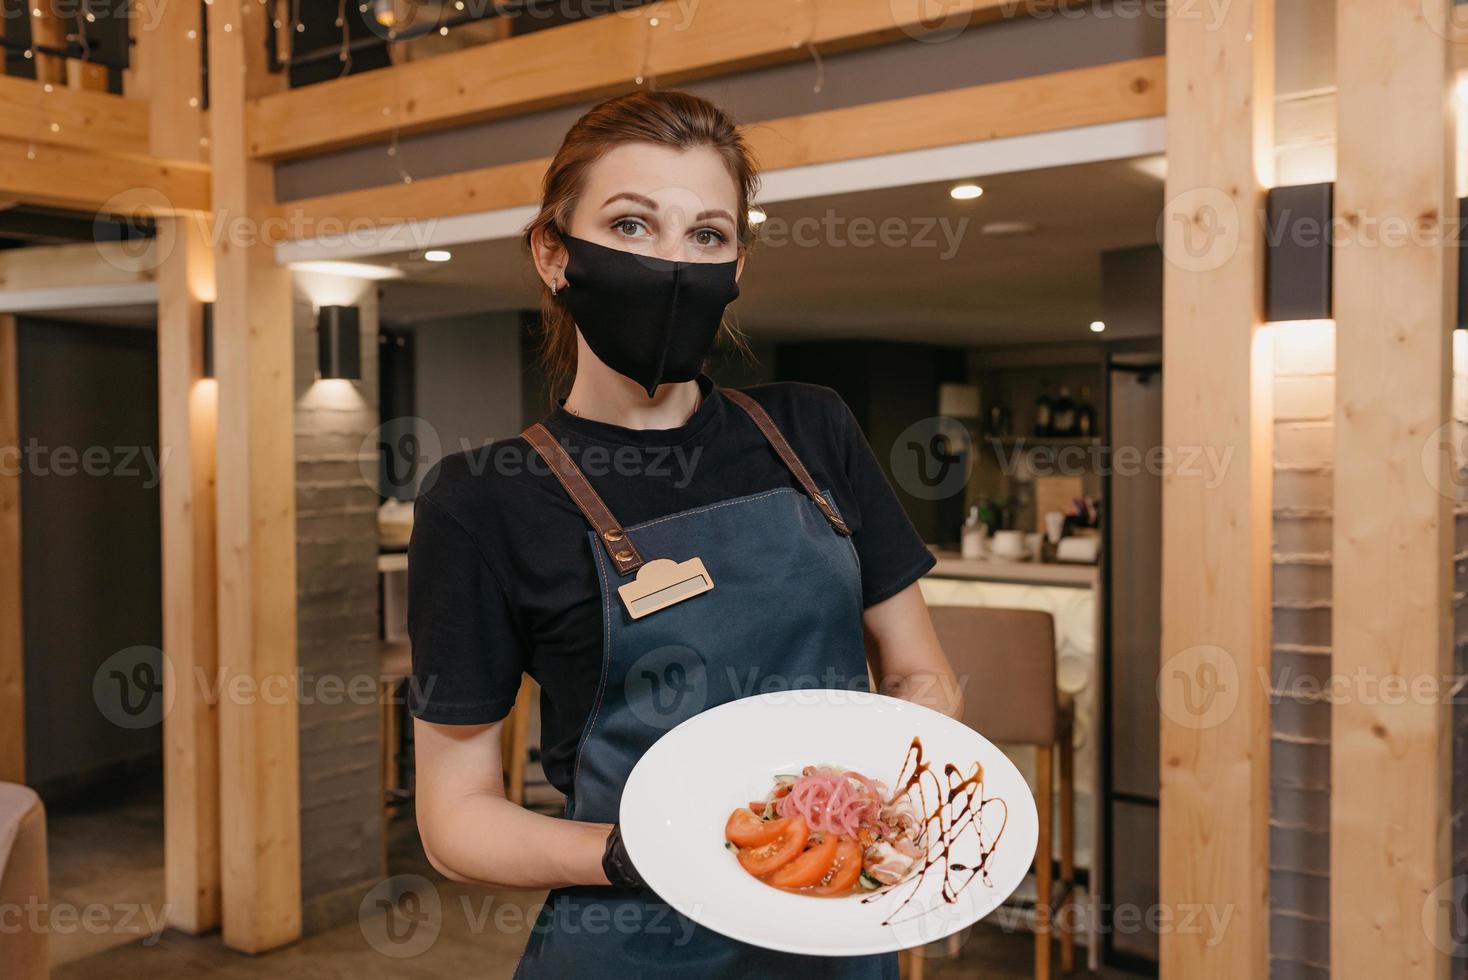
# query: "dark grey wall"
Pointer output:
{"type": "Point", "coordinates": [90, 550]}
{"type": "Point", "coordinates": [336, 554]}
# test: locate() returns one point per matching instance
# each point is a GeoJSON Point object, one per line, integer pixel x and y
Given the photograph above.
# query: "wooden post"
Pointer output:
{"type": "Point", "coordinates": [1217, 415]}
{"type": "Point", "coordinates": [48, 30]}
{"type": "Point", "coordinates": [187, 412]}
{"type": "Point", "coordinates": [168, 75]}
{"type": "Point", "coordinates": [1395, 286]}
{"type": "Point", "coordinates": [259, 756]}
{"type": "Point", "coordinates": [12, 636]}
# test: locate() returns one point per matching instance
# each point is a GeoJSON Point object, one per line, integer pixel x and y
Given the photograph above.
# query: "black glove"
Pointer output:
{"type": "Point", "coordinates": [618, 864]}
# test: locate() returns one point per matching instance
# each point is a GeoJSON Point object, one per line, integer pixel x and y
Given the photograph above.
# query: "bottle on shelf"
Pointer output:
{"type": "Point", "coordinates": [1063, 414]}
{"type": "Point", "coordinates": [1086, 415]}
{"type": "Point", "coordinates": [1043, 411]}
{"type": "Point", "coordinates": [999, 422]}
{"type": "Point", "coordinates": [973, 534]}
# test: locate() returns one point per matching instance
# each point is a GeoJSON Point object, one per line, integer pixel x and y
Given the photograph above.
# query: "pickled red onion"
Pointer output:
{"type": "Point", "coordinates": [829, 802]}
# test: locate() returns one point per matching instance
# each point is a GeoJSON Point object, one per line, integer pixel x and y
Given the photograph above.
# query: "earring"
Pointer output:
{"type": "Point", "coordinates": [555, 285]}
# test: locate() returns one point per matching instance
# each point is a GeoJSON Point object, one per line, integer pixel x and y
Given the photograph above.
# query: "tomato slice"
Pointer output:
{"type": "Point", "coordinates": [761, 860]}
{"type": "Point", "coordinates": [844, 870]}
{"type": "Point", "coordinates": [807, 869]}
{"type": "Point", "coordinates": [747, 830]}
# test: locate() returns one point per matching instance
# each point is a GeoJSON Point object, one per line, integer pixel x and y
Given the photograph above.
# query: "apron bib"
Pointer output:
{"type": "Point", "coordinates": [785, 612]}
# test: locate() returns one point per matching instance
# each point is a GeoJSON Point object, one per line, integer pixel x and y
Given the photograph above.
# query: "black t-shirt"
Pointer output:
{"type": "Point", "coordinates": [501, 576]}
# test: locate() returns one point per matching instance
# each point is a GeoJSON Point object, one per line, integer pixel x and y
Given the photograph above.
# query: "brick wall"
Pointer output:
{"type": "Point", "coordinates": [336, 552]}
{"type": "Point", "coordinates": [1299, 818]}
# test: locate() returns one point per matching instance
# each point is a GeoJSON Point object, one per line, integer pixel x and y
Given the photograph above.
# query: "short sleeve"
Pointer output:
{"type": "Point", "coordinates": [468, 653]}
{"type": "Point", "coordinates": [892, 553]}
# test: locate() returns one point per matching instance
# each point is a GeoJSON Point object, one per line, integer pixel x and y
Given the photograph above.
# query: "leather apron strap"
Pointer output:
{"type": "Point", "coordinates": [772, 432]}
{"type": "Point", "coordinates": [619, 547]}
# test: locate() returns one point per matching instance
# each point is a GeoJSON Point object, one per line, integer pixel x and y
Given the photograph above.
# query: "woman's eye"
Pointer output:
{"type": "Point", "coordinates": [709, 237]}
{"type": "Point", "coordinates": [631, 227]}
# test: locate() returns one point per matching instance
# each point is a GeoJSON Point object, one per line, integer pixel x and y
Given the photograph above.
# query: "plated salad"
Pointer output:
{"type": "Point", "coordinates": [828, 832]}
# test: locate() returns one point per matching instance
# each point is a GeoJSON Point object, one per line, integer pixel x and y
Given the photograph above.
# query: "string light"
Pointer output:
{"type": "Point", "coordinates": [810, 45]}
{"type": "Point", "coordinates": [652, 22]}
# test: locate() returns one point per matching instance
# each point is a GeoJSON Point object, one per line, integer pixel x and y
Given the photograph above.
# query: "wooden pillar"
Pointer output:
{"type": "Point", "coordinates": [12, 636]}
{"type": "Point", "coordinates": [1395, 284]}
{"type": "Point", "coordinates": [48, 30]}
{"type": "Point", "coordinates": [187, 409]}
{"type": "Point", "coordinates": [1217, 414]}
{"type": "Point", "coordinates": [167, 73]}
{"type": "Point", "coordinates": [259, 761]}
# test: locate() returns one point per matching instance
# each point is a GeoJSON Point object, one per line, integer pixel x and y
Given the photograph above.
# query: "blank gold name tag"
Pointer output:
{"type": "Point", "coordinates": [663, 582]}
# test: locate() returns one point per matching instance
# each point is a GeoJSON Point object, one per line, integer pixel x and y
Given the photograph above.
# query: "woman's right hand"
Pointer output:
{"type": "Point", "coordinates": [472, 834]}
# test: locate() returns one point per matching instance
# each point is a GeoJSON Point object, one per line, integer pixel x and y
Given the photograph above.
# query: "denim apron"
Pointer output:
{"type": "Point", "coordinates": [785, 612]}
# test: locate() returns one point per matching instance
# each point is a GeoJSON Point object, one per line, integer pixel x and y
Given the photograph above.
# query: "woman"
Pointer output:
{"type": "Point", "coordinates": [530, 555]}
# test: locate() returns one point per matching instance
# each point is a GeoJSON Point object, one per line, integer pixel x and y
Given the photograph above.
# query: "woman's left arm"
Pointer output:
{"type": "Point", "coordinates": [905, 656]}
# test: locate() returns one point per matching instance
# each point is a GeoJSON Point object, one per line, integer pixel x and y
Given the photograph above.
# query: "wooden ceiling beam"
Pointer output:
{"type": "Point", "coordinates": [68, 177]}
{"type": "Point", "coordinates": [588, 60]}
{"type": "Point", "coordinates": [72, 117]}
{"type": "Point", "coordinates": [1087, 96]}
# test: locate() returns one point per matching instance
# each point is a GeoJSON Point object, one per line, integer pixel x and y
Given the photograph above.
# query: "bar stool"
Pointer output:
{"type": "Point", "coordinates": [1008, 659]}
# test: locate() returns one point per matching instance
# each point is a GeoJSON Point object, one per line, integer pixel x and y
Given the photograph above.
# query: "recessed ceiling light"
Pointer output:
{"type": "Point", "coordinates": [757, 216]}
{"type": "Point", "coordinates": [1002, 228]}
{"type": "Point", "coordinates": [966, 192]}
{"type": "Point", "coordinates": [438, 255]}
{"type": "Point", "coordinates": [354, 270]}
{"type": "Point", "coordinates": [1097, 326]}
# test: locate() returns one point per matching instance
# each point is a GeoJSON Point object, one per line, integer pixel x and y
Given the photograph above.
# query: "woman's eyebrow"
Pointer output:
{"type": "Point", "coordinates": [646, 202]}
{"type": "Point", "coordinates": [652, 205]}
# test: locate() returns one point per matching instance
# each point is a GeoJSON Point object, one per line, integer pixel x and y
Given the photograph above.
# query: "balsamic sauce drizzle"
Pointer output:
{"type": "Point", "coordinates": [957, 809]}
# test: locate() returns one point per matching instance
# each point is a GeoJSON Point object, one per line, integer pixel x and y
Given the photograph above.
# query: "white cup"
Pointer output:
{"type": "Point", "coordinates": [1007, 545]}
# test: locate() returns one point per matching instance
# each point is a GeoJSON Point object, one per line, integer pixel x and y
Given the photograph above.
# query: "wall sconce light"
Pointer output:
{"type": "Point", "coordinates": [208, 340]}
{"type": "Point", "coordinates": [339, 342]}
{"type": "Point", "coordinates": [1298, 254]}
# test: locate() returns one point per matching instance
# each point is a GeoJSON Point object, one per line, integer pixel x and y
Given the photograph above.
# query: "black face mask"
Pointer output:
{"type": "Point", "coordinates": [650, 319]}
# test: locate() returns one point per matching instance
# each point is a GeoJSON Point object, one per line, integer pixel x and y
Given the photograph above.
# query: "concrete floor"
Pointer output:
{"type": "Point", "coordinates": [111, 859]}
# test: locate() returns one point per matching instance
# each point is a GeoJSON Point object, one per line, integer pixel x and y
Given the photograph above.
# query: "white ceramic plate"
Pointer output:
{"type": "Point", "coordinates": [682, 791]}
